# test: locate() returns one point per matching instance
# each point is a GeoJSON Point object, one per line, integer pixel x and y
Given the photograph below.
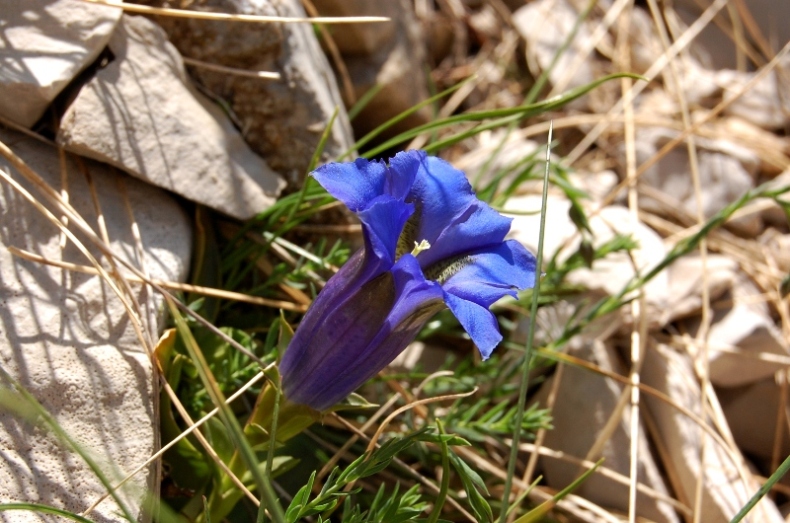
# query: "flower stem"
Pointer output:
{"type": "Point", "coordinates": [522, 396]}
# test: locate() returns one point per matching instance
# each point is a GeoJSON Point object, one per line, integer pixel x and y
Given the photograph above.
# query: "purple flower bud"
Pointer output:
{"type": "Point", "coordinates": [430, 243]}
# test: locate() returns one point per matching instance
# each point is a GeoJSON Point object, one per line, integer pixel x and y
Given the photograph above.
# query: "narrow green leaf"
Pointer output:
{"type": "Point", "coordinates": [539, 512]}
{"type": "Point", "coordinates": [473, 484]}
{"type": "Point", "coordinates": [44, 509]}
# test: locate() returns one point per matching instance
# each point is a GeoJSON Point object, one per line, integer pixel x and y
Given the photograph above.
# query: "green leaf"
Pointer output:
{"type": "Point", "coordinates": [44, 509]}
{"type": "Point", "coordinates": [473, 485]}
{"type": "Point", "coordinates": [293, 512]}
{"type": "Point", "coordinates": [539, 512]}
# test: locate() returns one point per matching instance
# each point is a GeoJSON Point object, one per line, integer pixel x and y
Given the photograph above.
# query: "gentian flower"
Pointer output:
{"type": "Point", "coordinates": [430, 243]}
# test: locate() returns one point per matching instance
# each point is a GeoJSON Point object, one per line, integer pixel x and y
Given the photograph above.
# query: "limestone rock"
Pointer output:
{"type": "Point", "coordinates": [764, 103]}
{"type": "Point", "coordinates": [498, 151]}
{"type": "Point", "coordinates": [390, 55]}
{"type": "Point", "coordinates": [585, 399]}
{"type": "Point", "coordinates": [751, 413]}
{"type": "Point", "coordinates": [725, 489]}
{"type": "Point", "coordinates": [686, 280]}
{"type": "Point", "coordinates": [45, 44]}
{"type": "Point", "coordinates": [608, 275]}
{"type": "Point", "coordinates": [774, 214]}
{"type": "Point", "coordinates": [726, 171]}
{"type": "Point", "coordinates": [778, 248]}
{"type": "Point", "coordinates": [141, 114]}
{"type": "Point", "coordinates": [544, 25]}
{"type": "Point", "coordinates": [742, 338]}
{"type": "Point", "coordinates": [67, 338]}
{"type": "Point", "coordinates": [282, 120]}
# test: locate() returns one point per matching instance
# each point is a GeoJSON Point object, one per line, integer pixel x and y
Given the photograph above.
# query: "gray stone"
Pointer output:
{"type": "Point", "coordinates": [141, 114]}
{"type": "Point", "coordinates": [726, 172]}
{"type": "Point", "coordinates": [585, 399]}
{"type": "Point", "coordinates": [67, 338]}
{"type": "Point", "coordinates": [745, 345]}
{"type": "Point", "coordinates": [608, 275]}
{"type": "Point", "coordinates": [686, 280]}
{"type": "Point", "coordinates": [544, 25]}
{"type": "Point", "coordinates": [45, 44]}
{"type": "Point", "coordinates": [390, 55]}
{"type": "Point", "coordinates": [775, 215]}
{"type": "Point", "coordinates": [752, 412]}
{"type": "Point", "coordinates": [282, 120]}
{"type": "Point", "coordinates": [765, 103]}
{"type": "Point", "coordinates": [727, 486]}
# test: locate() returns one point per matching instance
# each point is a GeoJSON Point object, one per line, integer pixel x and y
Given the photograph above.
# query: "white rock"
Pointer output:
{"type": "Point", "coordinates": [644, 42]}
{"type": "Point", "coordinates": [686, 280]}
{"type": "Point", "coordinates": [545, 24]}
{"type": "Point", "coordinates": [752, 413]}
{"type": "Point", "coordinates": [778, 248]}
{"type": "Point", "coordinates": [389, 56]}
{"type": "Point", "coordinates": [774, 214]}
{"type": "Point", "coordinates": [744, 344]}
{"type": "Point", "coordinates": [608, 275]}
{"type": "Point", "coordinates": [584, 404]}
{"type": "Point", "coordinates": [140, 114]}
{"type": "Point", "coordinates": [498, 151]}
{"type": "Point", "coordinates": [726, 172]}
{"type": "Point", "coordinates": [67, 338]}
{"type": "Point", "coordinates": [45, 44]}
{"type": "Point", "coordinates": [765, 103]}
{"type": "Point", "coordinates": [282, 120]}
{"type": "Point", "coordinates": [725, 491]}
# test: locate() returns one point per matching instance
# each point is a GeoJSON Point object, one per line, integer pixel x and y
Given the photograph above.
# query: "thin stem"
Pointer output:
{"type": "Point", "coordinates": [522, 396]}
{"type": "Point", "coordinates": [445, 486]}
{"type": "Point", "coordinates": [776, 476]}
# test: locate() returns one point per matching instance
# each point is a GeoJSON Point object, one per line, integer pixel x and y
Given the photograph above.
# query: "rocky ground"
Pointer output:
{"type": "Point", "coordinates": [119, 125]}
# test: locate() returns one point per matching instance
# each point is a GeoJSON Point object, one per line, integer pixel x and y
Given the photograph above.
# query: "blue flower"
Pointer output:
{"type": "Point", "coordinates": [430, 243]}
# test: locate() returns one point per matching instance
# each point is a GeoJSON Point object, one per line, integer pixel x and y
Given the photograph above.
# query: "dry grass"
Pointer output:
{"type": "Point", "coordinates": [586, 137]}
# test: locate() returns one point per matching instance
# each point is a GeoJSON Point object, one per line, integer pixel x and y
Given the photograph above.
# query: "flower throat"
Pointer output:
{"type": "Point", "coordinates": [440, 271]}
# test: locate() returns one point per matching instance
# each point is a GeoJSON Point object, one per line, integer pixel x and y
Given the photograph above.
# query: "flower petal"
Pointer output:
{"type": "Point", "coordinates": [487, 275]}
{"type": "Point", "coordinates": [382, 223]}
{"type": "Point", "coordinates": [329, 359]}
{"type": "Point", "coordinates": [479, 227]}
{"type": "Point", "coordinates": [450, 216]}
{"type": "Point", "coordinates": [403, 171]}
{"type": "Point", "coordinates": [477, 321]}
{"type": "Point", "coordinates": [355, 184]}
{"type": "Point", "coordinates": [416, 301]}
{"type": "Point", "coordinates": [484, 277]}
{"type": "Point", "coordinates": [335, 333]}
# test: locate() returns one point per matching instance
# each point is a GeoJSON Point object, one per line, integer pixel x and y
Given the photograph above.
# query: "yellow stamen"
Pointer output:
{"type": "Point", "coordinates": [419, 247]}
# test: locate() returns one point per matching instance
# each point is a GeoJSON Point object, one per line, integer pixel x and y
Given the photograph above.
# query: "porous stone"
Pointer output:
{"type": "Point", "coordinates": [67, 338]}
{"type": "Point", "coordinates": [282, 120]}
{"type": "Point", "coordinates": [141, 114]}
{"type": "Point", "coordinates": [545, 24]}
{"type": "Point", "coordinates": [45, 44]}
